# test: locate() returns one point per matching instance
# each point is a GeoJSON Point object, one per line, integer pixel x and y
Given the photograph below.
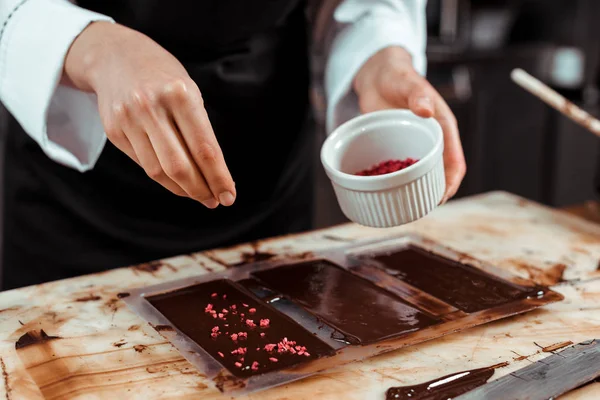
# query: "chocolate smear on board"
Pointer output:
{"type": "Point", "coordinates": [140, 347]}
{"type": "Point", "coordinates": [444, 388]}
{"type": "Point", "coordinates": [160, 328]}
{"type": "Point", "coordinates": [34, 337]}
{"type": "Point", "coordinates": [556, 346]}
{"type": "Point", "coordinates": [123, 295]}
{"type": "Point", "coordinates": [5, 378]}
{"type": "Point", "coordinates": [152, 266]}
{"type": "Point", "coordinates": [89, 297]}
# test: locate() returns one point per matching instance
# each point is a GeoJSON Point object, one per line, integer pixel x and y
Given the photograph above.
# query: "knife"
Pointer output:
{"type": "Point", "coordinates": [546, 379]}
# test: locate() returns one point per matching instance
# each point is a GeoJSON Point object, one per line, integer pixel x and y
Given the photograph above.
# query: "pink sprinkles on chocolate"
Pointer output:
{"type": "Point", "coordinates": [281, 347]}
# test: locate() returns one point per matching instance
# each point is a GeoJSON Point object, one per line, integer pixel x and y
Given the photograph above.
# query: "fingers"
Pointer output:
{"type": "Point", "coordinates": [420, 100]}
{"type": "Point", "coordinates": [454, 159]}
{"type": "Point", "coordinates": [186, 105]}
{"type": "Point", "coordinates": [169, 151]}
{"type": "Point", "coordinates": [144, 153]}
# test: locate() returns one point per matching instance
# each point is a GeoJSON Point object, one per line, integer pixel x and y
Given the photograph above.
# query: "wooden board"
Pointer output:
{"type": "Point", "coordinates": [105, 351]}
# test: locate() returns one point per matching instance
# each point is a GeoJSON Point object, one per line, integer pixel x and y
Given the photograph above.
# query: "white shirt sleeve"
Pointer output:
{"type": "Point", "coordinates": [35, 36]}
{"type": "Point", "coordinates": [364, 28]}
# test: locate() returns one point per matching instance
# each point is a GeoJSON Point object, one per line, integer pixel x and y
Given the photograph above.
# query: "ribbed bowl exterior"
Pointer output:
{"type": "Point", "coordinates": [396, 206]}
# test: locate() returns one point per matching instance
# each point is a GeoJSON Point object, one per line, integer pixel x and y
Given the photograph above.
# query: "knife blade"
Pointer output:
{"type": "Point", "coordinates": [545, 379]}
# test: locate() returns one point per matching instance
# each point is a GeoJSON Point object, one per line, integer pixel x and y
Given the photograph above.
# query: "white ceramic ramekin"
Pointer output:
{"type": "Point", "coordinates": [391, 199]}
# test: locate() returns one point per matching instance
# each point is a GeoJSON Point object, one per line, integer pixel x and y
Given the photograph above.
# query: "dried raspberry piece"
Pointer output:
{"type": "Point", "coordinates": [214, 315]}
{"type": "Point", "coordinates": [224, 296]}
{"type": "Point", "coordinates": [234, 337]}
{"type": "Point", "coordinates": [255, 366]}
{"type": "Point", "coordinates": [262, 334]}
{"type": "Point", "coordinates": [270, 347]}
{"type": "Point", "coordinates": [224, 311]}
{"type": "Point", "coordinates": [233, 306]}
{"type": "Point", "coordinates": [264, 323]}
{"type": "Point", "coordinates": [245, 305]}
{"type": "Point", "coordinates": [213, 295]}
{"type": "Point", "coordinates": [243, 335]}
{"type": "Point", "coordinates": [250, 323]}
{"type": "Point", "coordinates": [221, 354]}
{"type": "Point", "coordinates": [273, 359]}
{"type": "Point", "coordinates": [215, 329]}
{"type": "Point", "coordinates": [208, 308]}
{"type": "Point", "coordinates": [238, 364]}
{"type": "Point", "coordinates": [252, 310]}
{"type": "Point", "coordinates": [213, 335]}
{"type": "Point", "coordinates": [221, 316]}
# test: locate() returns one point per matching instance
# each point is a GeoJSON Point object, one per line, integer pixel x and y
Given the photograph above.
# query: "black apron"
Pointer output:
{"type": "Point", "coordinates": [249, 59]}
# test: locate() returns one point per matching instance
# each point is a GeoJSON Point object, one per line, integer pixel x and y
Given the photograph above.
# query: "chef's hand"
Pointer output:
{"type": "Point", "coordinates": [388, 80]}
{"type": "Point", "coordinates": [151, 110]}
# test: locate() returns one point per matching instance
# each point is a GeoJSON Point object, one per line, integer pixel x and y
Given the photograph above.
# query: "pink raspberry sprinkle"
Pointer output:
{"type": "Point", "coordinates": [221, 354]}
{"type": "Point", "coordinates": [213, 295]}
{"type": "Point", "coordinates": [307, 354]}
{"type": "Point", "coordinates": [252, 310]}
{"type": "Point", "coordinates": [214, 316]}
{"type": "Point", "coordinates": [234, 337]}
{"type": "Point", "coordinates": [224, 311]}
{"type": "Point", "coordinates": [208, 308]}
{"type": "Point", "coordinates": [273, 359]}
{"type": "Point", "coordinates": [270, 347]}
{"type": "Point", "coordinates": [233, 307]}
{"type": "Point", "coordinates": [245, 305]}
{"type": "Point", "coordinates": [258, 349]}
{"type": "Point", "coordinates": [262, 334]}
{"type": "Point", "coordinates": [238, 364]}
{"type": "Point", "coordinates": [250, 323]}
{"type": "Point", "coordinates": [213, 335]}
{"type": "Point", "coordinates": [264, 323]}
{"type": "Point", "coordinates": [221, 315]}
{"type": "Point", "coordinates": [255, 366]}
{"type": "Point", "coordinates": [243, 335]}
{"type": "Point", "coordinates": [224, 296]}
{"type": "Point", "coordinates": [215, 329]}
{"type": "Point", "coordinates": [242, 315]}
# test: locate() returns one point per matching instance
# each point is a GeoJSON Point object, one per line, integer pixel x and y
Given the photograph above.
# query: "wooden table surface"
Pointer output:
{"type": "Point", "coordinates": [107, 352]}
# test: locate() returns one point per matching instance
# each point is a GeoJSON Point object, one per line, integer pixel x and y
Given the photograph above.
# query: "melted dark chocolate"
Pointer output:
{"type": "Point", "coordinates": [34, 337]}
{"type": "Point", "coordinates": [358, 309]}
{"type": "Point", "coordinates": [462, 286]}
{"type": "Point", "coordinates": [186, 309]}
{"type": "Point", "coordinates": [444, 388]}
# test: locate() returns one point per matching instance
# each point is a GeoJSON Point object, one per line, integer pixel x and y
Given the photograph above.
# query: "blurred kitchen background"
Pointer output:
{"type": "Point", "coordinates": [512, 140]}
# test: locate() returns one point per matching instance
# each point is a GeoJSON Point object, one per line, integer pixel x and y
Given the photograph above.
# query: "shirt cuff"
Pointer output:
{"type": "Point", "coordinates": [354, 45]}
{"type": "Point", "coordinates": [63, 121]}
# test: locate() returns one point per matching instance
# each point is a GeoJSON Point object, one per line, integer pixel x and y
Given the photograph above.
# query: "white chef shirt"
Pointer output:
{"type": "Point", "coordinates": [35, 36]}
